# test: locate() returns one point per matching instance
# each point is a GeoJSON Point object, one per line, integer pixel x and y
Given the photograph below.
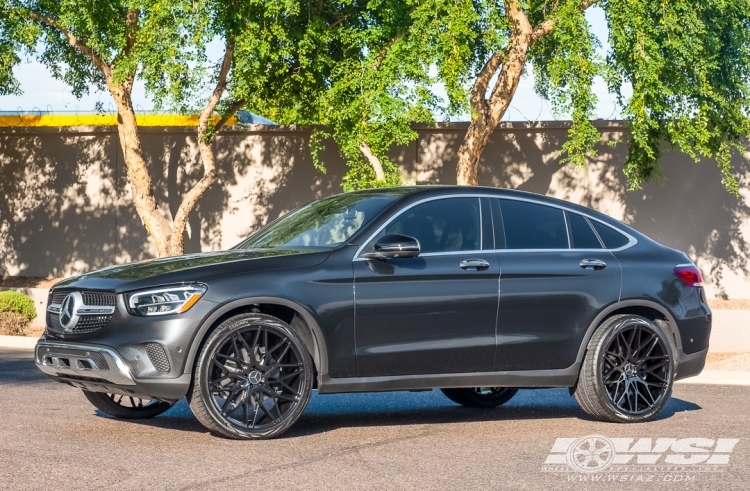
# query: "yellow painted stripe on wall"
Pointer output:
{"type": "Point", "coordinates": [101, 120]}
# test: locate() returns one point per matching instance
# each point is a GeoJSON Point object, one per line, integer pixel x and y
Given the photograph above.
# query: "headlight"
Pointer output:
{"type": "Point", "coordinates": [166, 300]}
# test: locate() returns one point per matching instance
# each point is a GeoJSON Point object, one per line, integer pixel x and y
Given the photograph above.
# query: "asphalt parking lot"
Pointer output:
{"type": "Point", "coordinates": [51, 438]}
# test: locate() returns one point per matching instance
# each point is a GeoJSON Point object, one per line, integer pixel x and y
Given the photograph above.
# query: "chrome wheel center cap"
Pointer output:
{"type": "Point", "coordinates": [629, 369]}
{"type": "Point", "coordinates": [255, 377]}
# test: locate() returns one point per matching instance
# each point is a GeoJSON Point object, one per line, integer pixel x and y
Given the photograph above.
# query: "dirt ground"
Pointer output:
{"type": "Point", "coordinates": [27, 282]}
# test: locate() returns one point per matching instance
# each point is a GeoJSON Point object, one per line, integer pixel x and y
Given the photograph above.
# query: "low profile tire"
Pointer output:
{"type": "Point", "coordinates": [126, 407]}
{"type": "Point", "coordinates": [253, 378]}
{"type": "Point", "coordinates": [480, 396]}
{"type": "Point", "coordinates": [628, 371]}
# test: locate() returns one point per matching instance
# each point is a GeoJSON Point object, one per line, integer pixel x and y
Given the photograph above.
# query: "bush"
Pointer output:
{"type": "Point", "coordinates": [12, 324]}
{"type": "Point", "coordinates": [17, 303]}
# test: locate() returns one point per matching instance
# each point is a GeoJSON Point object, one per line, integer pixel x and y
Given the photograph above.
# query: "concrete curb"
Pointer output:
{"type": "Point", "coordinates": [18, 342]}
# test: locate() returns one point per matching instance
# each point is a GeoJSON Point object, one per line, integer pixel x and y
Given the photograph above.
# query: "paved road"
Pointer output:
{"type": "Point", "coordinates": [51, 438]}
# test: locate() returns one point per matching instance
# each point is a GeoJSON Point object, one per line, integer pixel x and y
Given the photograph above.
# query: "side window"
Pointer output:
{"type": "Point", "coordinates": [533, 226]}
{"type": "Point", "coordinates": [442, 225]}
{"type": "Point", "coordinates": [612, 238]}
{"type": "Point", "coordinates": [581, 234]}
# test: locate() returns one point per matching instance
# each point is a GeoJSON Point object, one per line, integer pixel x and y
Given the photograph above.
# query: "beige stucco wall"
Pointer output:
{"type": "Point", "coordinates": [65, 205]}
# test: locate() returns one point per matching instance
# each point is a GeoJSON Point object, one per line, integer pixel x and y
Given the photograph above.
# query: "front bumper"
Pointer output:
{"type": "Point", "coordinates": [98, 368]}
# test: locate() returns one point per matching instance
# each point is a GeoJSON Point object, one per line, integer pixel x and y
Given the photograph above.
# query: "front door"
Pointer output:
{"type": "Point", "coordinates": [434, 313]}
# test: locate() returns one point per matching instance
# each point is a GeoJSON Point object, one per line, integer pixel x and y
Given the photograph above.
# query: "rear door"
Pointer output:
{"type": "Point", "coordinates": [555, 277]}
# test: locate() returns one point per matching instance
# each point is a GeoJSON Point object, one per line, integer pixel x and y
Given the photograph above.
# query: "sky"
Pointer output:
{"type": "Point", "coordinates": [43, 92]}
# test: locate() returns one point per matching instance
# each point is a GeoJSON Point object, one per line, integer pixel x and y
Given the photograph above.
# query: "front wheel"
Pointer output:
{"type": "Point", "coordinates": [628, 371]}
{"type": "Point", "coordinates": [126, 407]}
{"type": "Point", "coordinates": [253, 378]}
{"type": "Point", "coordinates": [480, 396]}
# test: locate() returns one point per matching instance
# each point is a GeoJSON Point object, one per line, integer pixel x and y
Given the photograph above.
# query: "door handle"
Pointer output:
{"type": "Point", "coordinates": [474, 264]}
{"type": "Point", "coordinates": [595, 264]}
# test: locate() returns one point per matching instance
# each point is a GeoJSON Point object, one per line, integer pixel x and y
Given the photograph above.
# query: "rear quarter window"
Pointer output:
{"type": "Point", "coordinates": [612, 238]}
{"type": "Point", "coordinates": [582, 236]}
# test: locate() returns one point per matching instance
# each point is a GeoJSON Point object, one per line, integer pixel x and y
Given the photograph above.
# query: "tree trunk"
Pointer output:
{"type": "Point", "coordinates": [168, 236]}
{"type": "Point", "coordinates": [486, 114]}
{"type": "Point", "coordinates": [373, 160]}
{"type": "Point", "coordinates": [157, 226]}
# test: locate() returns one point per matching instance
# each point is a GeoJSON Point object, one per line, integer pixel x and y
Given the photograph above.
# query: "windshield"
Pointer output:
{"type": "Point", "coordinates": [323, 224]}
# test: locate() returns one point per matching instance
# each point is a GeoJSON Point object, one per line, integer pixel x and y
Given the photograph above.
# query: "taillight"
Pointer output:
{"type": "Point", "coordinates": [690, 274]}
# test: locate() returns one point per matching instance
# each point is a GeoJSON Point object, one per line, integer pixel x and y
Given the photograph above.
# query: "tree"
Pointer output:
{"type": "Point", "coordinates": [376, 90]}
{"type": "Point", "coordinates": [108, 45]}
{"type": "Point", "coordinates": [686, 61]}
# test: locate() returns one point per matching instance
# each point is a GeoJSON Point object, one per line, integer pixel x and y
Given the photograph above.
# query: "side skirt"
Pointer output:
{"type": "Point", "coordinates": [526, 378]}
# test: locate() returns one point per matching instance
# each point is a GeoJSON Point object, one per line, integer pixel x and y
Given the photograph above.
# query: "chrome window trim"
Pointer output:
{"type": "Point", "coordinates": [596, 234]}
{"type": "Point", "coordinates": [409, 207]}
{"type": "Point", "coordinates": [567, 229]}
{"type": "Point", "coordinates": [632, 240]}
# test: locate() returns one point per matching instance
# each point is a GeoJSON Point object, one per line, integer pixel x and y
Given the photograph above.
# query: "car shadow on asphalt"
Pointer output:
{"type": "Point", "coordinates": [330, 412]}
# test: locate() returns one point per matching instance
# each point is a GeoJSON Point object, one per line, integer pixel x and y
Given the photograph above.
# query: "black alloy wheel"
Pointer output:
{"type": "Point", "coordinates": [253, 378]}
{"type": "Point", "coordinates": [485, 397]}
{"type": "Point", "coordinates": [126, 407]}
{"type": "Point", "coordinates": [628, 372]}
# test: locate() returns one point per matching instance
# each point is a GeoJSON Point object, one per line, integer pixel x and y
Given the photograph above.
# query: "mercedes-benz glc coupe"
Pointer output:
{"type": "Point", "coordinates": [476, 291]}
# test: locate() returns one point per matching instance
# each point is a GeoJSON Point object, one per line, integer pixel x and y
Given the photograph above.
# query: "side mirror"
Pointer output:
{"type": "Point", "coordinates": [395, 246]}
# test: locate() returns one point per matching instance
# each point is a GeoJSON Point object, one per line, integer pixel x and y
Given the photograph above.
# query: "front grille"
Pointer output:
{"type": "Point", "coordinates": [91, 323]}
{"type": "Point", "coordinates": [106, 299]}
{"type": "Point", "coordinates": [158, 356]}
{"type": "Point", "coordinates": [98, 298]}
{"type": "Point", "coordinates": [95, 356]}
{"type": "Point", "coordinates": [58, 296]}
{"type": "Point", "coordinates": [86, 323]}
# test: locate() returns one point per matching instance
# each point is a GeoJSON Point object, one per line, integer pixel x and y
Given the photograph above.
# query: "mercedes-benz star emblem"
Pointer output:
{"type": "Point", "coordinates": [66, 310]}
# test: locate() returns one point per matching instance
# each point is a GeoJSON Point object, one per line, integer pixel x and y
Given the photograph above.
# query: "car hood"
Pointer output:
{"type": "Point", "coordinates": [192, 268]}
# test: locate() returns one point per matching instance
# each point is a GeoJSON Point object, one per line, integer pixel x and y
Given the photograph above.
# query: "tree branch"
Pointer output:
{"type": "Point", "coordinates": [479, 89]}
{"type": "Point", "coordinates": [131, 22]}
{"type": "Point", "coordinates": [207, 154]}
{"type": "Point", "coordinates": [231, 109]}
{"type": "Point", "coordinates": [338, 21]}
{"type": "Point", "coordinates": [383, 52]}
{"type": "Point", "coordinates": [221, 85]}
{"type": "Point", "coordinates": [548, 25]}
{"type": "Point", "coordinates": [373, 160]}
{"type": "Point", "coordinates": [75, 43]}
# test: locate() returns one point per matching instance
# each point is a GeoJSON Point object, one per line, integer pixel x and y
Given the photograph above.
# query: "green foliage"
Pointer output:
{"type": "Point", "coordinates": [364, 69]}
{"type": "Point", "coordinates": [686, 61]}
{"type": "Point", "coordinates": [17, 303]}
{"type": "Point", "coordinates": [376, 88]}
{"type": "Point", "coordinates": [688, 64]}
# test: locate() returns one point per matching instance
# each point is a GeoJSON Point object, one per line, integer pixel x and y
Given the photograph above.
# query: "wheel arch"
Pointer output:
{"type": "Point", "coordinates": [645, 308]}
{"type": "Point", "coordinates": [302, 321]}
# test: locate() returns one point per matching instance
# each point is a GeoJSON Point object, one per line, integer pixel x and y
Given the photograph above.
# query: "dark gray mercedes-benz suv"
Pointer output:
{"type": "Point", "coordinates": [476, 291]}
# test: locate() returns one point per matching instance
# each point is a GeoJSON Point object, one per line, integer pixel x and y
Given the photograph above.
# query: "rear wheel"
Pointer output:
{"type": "Point", "coordinates": [480, 396]}
{"type": "Point", "coordinates": [628, 371]}
{"type": "Point", "coordinates": [253, 378]}
{"type": "Point", "coordinates": [126, 407]}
